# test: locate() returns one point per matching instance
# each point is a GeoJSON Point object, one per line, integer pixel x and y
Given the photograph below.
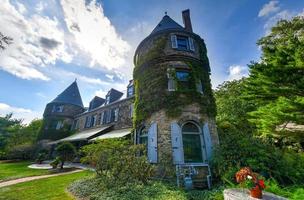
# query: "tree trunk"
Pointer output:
{"type": "Point", "coordinates": [62, 163]}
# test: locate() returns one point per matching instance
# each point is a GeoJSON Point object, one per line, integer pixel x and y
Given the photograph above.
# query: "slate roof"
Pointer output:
{"type": "Point", "coordinates": [96, 102]}
{"type": "Point", "coordinates": [70, 95]}
{"type": "Point", "coordinates": [166, 23]}
{"type": "Point", "coordinates": [114, 95]}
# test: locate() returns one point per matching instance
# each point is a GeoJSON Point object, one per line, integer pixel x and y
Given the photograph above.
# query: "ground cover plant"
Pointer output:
{"type": "Point", "coordinates": [53, 188]}
{"type": "Point", "coordinates": [14, 170]}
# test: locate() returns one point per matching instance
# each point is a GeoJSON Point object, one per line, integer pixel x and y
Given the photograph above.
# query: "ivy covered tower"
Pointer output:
{"type": "Point", "coordinates": [59, 114]}
{"type": "Point", "coordinates": [174, 105]}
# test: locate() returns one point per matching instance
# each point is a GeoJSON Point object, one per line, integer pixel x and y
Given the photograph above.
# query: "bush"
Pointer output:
{"type": "Point", "coordinates": [23, 152]}
{"type": "Point", "coordinates": [238, 149]}
{"type": "Point", "coordinates": [118, 161]}
{"type": "Point", "coordinates": [97, 189]}
{"type": "Point", "coordinates": [66, 152]}
{"type": "Point", "coordinates": [55, 163]}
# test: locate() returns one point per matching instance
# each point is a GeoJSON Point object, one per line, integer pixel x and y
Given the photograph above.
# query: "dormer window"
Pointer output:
{"type": "Point", "coordinates": [107, 99]}
{"type": "Point", "coordinates": [130, 91]}
{"type": "Point", "coordinates": [182, 43]}
{"type": "Point", "coordinates": [57, 108]}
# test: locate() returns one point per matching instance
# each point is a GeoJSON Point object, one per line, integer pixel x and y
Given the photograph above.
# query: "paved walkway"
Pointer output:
{"type": "Point", "coordinates": [31, 178]}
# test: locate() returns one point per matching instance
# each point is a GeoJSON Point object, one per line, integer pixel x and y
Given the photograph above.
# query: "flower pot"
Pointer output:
{"type": "Point", "coordinates": [256, 192]}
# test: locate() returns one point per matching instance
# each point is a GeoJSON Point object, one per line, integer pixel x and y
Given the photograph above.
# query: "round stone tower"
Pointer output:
{"type": "Point", "coordinates": [59, 114]}
{"type": "Point", "coordinates": [174, 105]}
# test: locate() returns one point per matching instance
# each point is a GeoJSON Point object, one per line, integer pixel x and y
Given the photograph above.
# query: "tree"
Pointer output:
{"type": "Point", "coordinates": [231, 107]}
{"type": "Point", "coordinates": [66, 152]}
{"type": "Point", "coordinates": [275, 85]}
{"type": "Point", "coordinates": [5, 40]}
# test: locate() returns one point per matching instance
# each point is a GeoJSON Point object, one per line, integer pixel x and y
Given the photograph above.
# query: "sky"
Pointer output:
{"type": "Point", "coordinates": [93, 41]}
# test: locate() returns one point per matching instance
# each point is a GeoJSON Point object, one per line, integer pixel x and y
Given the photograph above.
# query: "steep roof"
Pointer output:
{"type": "Point", "coordinates": [166, 23]}
{"type": "Point", "coordinates": [70, 95]}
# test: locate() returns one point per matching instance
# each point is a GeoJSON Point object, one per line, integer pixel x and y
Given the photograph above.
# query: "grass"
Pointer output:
{"type": "Point", "coordinates": [53, 188]}
{"type": "Point", "coordinates": [14, 170]}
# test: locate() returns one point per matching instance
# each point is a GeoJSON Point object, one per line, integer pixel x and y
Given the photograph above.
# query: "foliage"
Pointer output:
{"type": "Point", "coordinates": [17, 141]}
{"type": "Point", "coordinates": [66, 152]}
{"type": "Point", "coordinates": [290, 192]}
{"type": "Point", "coordinates": [96, 188]}
{"type": "Point", "coordinates": [5, 40]}
{"type": "Point", "coordinates": [231, 108]}
{"type": "Point", "coordinates": [238, 149]}
{"type": "Point", "coordinates": [48, 188]}
{"type": "Point", "coordinates": [150, 80]}
{"type": "Point", "coordinates": [118, 161]}
{"type": "Point", "coordinates": [41, 157]}
{"type": "Point", "coordinates": [276, 84]}
{"type": "Point", "coordinates": [55, 162]}
{"type": "Point", "coordinates": [52, 133]}
{"type": "Point", "coordinates": [14, 170]}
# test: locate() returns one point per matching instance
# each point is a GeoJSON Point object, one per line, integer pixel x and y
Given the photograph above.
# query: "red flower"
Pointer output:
{"type": "Point", "coordinates": [261, 184]}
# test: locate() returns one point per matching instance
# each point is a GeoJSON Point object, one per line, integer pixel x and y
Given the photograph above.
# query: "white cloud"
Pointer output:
{"type": "Point", "coordinates": [269, 8]}
{"type": "Point", "coordinates": [94, 35]}
{"type": "Point", "coordinates": [236, 72]}
{"type": "Point", "coordinates": [19, 113]}
{"type": "Point", "coordinates": [101, 93]}
{"type": "Point", "coordinates": [85, 37]}
{"type": "Point", "coordinates": [285, 14]}
{"type": "Point", "coordinates": [38, 41]}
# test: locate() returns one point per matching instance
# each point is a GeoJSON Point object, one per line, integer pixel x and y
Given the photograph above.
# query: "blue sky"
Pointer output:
{"type": "Point", "coordinates": [57, 41]}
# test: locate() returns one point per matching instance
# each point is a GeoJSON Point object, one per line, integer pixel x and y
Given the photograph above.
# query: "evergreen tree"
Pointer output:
{"type": "Point", "coordinates": [276, 83]}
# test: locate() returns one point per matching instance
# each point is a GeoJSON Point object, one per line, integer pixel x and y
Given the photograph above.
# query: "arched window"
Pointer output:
{"type": "Point", "coordinates": [192, 143]}
{"type": "Point", "coordinates": [143, 136]}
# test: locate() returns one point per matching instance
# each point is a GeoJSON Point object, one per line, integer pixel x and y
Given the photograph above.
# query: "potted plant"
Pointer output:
{"type": "Point", "coordinates": [251, 180]}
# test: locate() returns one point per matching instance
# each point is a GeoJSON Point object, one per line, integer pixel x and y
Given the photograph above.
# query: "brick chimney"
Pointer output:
{"type": "Point", "coordinates": [187, 20]}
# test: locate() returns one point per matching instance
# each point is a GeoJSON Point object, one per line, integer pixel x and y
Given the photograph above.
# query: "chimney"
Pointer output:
{"type": "Point", "coordinates": [187, 20]}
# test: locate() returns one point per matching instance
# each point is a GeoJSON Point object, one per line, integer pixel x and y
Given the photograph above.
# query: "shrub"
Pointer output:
{"type": "Point", "coordinates": [55, 163]}
{"type": "Point", "coordinates": [238, 149]}
{"type": "Point", "coordinates": [66, 152]}
{"type": "Point", "coordinates": [97, 189]}
{"type": "Point", "coordinates": [118, 161]}
{"type": "Point", "coordinates": [23, 152]}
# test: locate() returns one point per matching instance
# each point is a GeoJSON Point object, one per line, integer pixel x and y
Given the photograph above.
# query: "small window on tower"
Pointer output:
{"type": "Point", "coordinates": [183, 79]}
{"type": "Point", "coordinates": [182, 42]}
{"type": "Point", "coordinates": [57, 108]}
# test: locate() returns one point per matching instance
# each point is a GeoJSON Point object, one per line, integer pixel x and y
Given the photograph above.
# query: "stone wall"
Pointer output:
{"type": "Point", "coordinates": [124, 117]}
{"type": "Point", "coordinates": [190, 113]}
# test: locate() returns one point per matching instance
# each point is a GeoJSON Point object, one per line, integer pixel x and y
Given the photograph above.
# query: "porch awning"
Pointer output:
{"type": "Point", "coordinates": [84, 135]}
{"type": "Point", "coordinates": [114, 134]}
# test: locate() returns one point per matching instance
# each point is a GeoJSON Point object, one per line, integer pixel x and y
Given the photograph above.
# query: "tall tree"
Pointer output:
{"type": "Point", "coordinates": [276, 84]}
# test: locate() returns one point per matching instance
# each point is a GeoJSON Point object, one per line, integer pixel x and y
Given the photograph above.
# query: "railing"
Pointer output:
{"type": "Point", "coordinates": [185, 174]}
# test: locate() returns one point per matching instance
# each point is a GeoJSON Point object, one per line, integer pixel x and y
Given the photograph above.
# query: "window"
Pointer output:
{"type": "Point", "coordinates": [108, 118]}
{"type": "Point", "coordinates": [93, 120]}
{"type": "Point", "coordinates": [75, 124]}
{"type": "Point", "coordinates": [183, 79]}
{"type": "Point", "coordinates": [88, 122]}
{"type": "Point", "coordinates": [143, 136]}
{"type": "Point", "coordinates": [131, 110]}
{"type": "Point", "coordinates": [192, 143]}
{"type": "Point", "coordinates": [101, 118]}
{"type": "Point", "coordinates": [182, 42]}
{"type": "Point", "coordinates": [130, 91]}
{"type": "Point", "coordinates": [57, 108]}
{"type": "Point", "coordinates": [171, 81]}
{"type": "Point", "coordinates": [200, 87]}
{"type": "Point", "coordinates": [116, 112]}
{"type": "Point", "coordinates": [107, 99]}
{"type": "Point", "coordinates": [59, 125]}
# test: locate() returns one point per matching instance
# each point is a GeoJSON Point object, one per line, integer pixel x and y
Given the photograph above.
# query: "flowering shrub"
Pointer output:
{"type": "Point", "coordinates": [247, 177]}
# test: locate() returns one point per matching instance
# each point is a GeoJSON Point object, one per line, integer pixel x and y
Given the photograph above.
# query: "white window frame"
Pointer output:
{"type": "Point", "coordinates": [116, 114]}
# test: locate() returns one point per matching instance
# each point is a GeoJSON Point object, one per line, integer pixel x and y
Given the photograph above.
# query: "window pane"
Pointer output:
{"type": "Point", "coordinates": [190, 127]}
{"type": "Point", "coordinates": [192, 148]}
{"type": "Point", "coordinates": [182, 75]}
{"type": "Point", "coordinates": [182, 43]}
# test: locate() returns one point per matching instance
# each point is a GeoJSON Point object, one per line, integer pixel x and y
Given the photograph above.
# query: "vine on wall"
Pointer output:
{"type": "Point", "coordinates": [151, 94]}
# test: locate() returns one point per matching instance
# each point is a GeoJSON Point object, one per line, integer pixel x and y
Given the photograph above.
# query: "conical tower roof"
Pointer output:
{"type": "Point", "coordinates": [165, 24]}
{"type": "Point", "coordinates": [70, 95]}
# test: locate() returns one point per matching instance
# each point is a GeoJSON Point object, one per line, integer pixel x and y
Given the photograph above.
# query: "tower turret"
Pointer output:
{"type": "Point", "coordinates": [174, 105]}
{"type": "Point", "coordinates": [59, 114]}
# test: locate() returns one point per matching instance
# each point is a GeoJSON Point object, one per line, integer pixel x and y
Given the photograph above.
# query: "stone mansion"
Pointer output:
{"type": "Point", "coordinates": [169, 104]}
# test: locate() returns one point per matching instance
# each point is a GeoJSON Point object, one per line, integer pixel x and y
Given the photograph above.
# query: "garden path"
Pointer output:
{"type": "Point", "coordinates": [31, 178]}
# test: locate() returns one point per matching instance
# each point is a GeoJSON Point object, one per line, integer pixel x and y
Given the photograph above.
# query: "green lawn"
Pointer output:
{"type": "Point", "coordinates": [16, 170]}
{"type": "Point", "coordinates": [53, 188]}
